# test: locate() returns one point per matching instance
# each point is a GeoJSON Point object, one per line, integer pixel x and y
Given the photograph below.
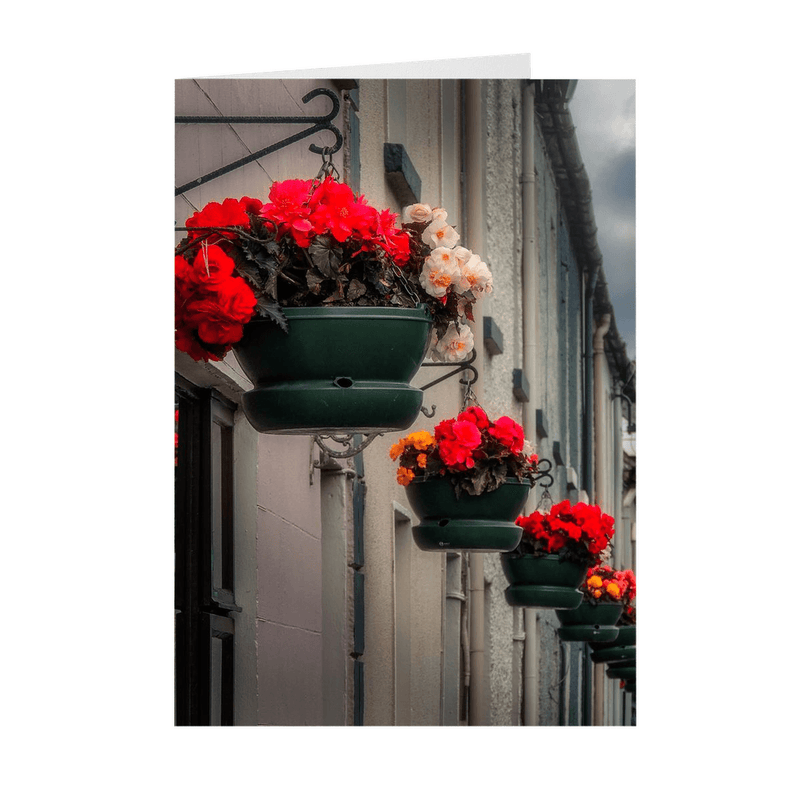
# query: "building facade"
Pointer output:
{"type": "Point", "coordinates": [301, 598]}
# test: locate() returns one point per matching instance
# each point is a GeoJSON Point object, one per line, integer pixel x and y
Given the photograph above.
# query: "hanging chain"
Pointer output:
{"type": "Point", "coordinates": [406, 285]}
{"type": "Point", "coordinates": [470, 398]}
{"type": "Point", "coordinates": [327, 169]}
{"type": "Point", "coordinates": [544, 499]}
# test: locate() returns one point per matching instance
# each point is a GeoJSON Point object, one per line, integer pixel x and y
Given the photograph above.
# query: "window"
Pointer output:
{"type": "Point", "coordinates": [204, 629]}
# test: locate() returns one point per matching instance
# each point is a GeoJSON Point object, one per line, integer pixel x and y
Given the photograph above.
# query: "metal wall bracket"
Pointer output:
{"type": "Point", "coordinates": [462, 366]}
{"type": "Point", "coordinates": [321, 123]}
{"type": "Point", "coordinates": [544, 473]}
{"type": "Point", "coordinates": [346, 440]}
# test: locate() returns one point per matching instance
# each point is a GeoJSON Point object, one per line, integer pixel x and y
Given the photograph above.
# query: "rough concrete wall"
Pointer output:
{"type": "Point", "coordinates": [549, 667]}
{"type": "Point", "coordinates": [503, 254]}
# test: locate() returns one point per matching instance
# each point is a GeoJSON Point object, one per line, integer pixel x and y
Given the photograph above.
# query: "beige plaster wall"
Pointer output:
{"type": "Point", "coordinates": [408, 112]}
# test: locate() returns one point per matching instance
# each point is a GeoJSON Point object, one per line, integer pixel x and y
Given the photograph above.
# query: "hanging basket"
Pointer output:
{"type": "Point", "coordinates": [590, 623]}
{"type": "Point", "coordinates": [482, 523]}
{"type": "Point", "coordinates": [337, 370]}
{"type": "Point", "coordinates": [626, 673]}
{"type": "Point", "coordinates": [622, 649]}
{"type": "Point", "coordinates": [542, 581]}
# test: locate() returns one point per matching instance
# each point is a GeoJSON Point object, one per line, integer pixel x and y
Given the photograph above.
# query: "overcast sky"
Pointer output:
{"type": "Point", "coordinates": [603, 112]}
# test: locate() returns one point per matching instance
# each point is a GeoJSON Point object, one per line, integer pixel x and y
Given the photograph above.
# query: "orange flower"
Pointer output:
{"type": "Point", "coordinates": [613, 589]}
{"type": "Point", "coordinates": [595, 582]}
{"type": "Point", "coordinates": [404, 476]}
{"type": "Point", "coordinates": [397, 450]}
{"type": "Point", "coordinates": [422, 460]}
{"type": "Point", "coordinates": [597, 593]}
{"type": "Point", "coordinates": [420, 439]}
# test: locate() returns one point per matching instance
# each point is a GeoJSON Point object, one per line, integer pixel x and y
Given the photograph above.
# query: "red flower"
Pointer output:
{"type": "Point", "coordinates": [186, 342]}
{"type": "Point", "coordinates": [398, 246]}
{"type": "Point", "coordinates": [219, 215]}
{"type": "Point", "coordinates": [238, 299]}
{"type": "Point", "coordinates": [444, 430]}
{"type": "Point", "coordinates": [251, 204]}
{"type": "Point", "coordinates": [476, 415]}
{"type": "Point", "coordinates": [577, 526]}
{"type": "Point", "coordinates": [337, 212]}
{"type": "Point", "coordinates": [182, 269]}
{"type": "Point", "coordinates": [211, 267]}
{"type": "Point", "coordinates": [457, 449]}
{"type": "Point", "coordinates": [290, 209]}
{"type": "Point", "coordinates": [555, 542]}
{"type": "Point", "coordinates": [219, 317]}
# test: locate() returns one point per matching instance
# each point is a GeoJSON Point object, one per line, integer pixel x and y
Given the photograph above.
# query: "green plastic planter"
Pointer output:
{"type": "Point", "coordinates": [479, 523]}
{"type": "Point", "coordinates": [336, 370]}
{"type": "Point", "coordinates": [623, 649]}
{"type": "Point", "coordinates": [616, 672]}
{"type": "Point", "coordinates": [614, 655]}
{"type": "Point", "coordinates": [542, 581]}
{"type": "Point", "coordinates": [590, 623]}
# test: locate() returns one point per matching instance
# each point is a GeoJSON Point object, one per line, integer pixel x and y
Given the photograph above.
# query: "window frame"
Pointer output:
{"type": "Point", "coordinates": [204, 528]}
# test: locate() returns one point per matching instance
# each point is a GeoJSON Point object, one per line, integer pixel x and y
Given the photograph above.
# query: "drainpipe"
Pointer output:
{"type": "Point", "coordinates": [620, 553]}
{"type": "Point", "coordinates": [601, 434]}
{"type": "Point", "coordinates": [588, 374]}
{"type": "Point", "coordinates": [530, 273]}
{"type": "Point", "coordinates": [601, 479]}
{"type": "Point", "coordinates": [475, 218]}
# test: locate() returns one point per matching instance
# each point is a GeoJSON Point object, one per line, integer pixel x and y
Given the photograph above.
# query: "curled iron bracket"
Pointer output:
{"type": "Point", "coordinates": [462, 366]}
{"type": "Point", "coordinates": [321, 123]}
{"type": "Point", "coordinates": [347, 440]}
{"type": "Point", "coordinates": [544, 474]}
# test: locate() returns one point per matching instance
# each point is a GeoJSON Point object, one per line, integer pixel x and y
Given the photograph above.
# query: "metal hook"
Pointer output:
{"type": "Point", "coordinates": [463, 365]}
{"type": "Point", "coordinates": [543, 474]}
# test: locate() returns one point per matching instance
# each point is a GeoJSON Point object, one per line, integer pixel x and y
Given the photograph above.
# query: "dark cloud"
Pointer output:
{"type": "Point", "coordinates": [604, 115]}
{"type": "Point", "coordinates": [619, 179]}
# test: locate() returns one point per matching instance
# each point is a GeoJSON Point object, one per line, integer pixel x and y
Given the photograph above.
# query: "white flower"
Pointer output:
{"type": "Point", "coordinates": [457, 343]}
{"type": "Point", "coordinates": [419, 212]}
{"type": "Point", "coordinates": [440, 234]}
{"type": "Point", "coordinates": [439, 272]}
{"type": "Point", "coordinates": [439, 213]}
{"type": "Point", "coordinates": [475, 277]}
{"type": "Point", "coordinates": [462, 255]}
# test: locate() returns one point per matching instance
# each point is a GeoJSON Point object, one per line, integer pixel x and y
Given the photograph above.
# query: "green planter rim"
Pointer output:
{"type": "Point", "coordinates": [363, 312]}
{"type": "Point", "coordinates": [446, 479]}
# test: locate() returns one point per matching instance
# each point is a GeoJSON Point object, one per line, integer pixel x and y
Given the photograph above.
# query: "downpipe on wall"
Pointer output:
{"type": "Point", "coordinates": [530, 269]}
{"type": "Point", "coordinates": [475, 167]}
{"type": "Point", "coordinates": [601, 478]}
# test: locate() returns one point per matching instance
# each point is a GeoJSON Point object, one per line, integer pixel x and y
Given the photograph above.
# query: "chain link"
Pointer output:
{"type": "Point", "coordinates": [327, 169]}
{"type": "Point", "coordinates": [406, 285]}
{"type": "Point", "coordinates": [544, 500]}
{"type": "Point", "coordinates": [470, 398]}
